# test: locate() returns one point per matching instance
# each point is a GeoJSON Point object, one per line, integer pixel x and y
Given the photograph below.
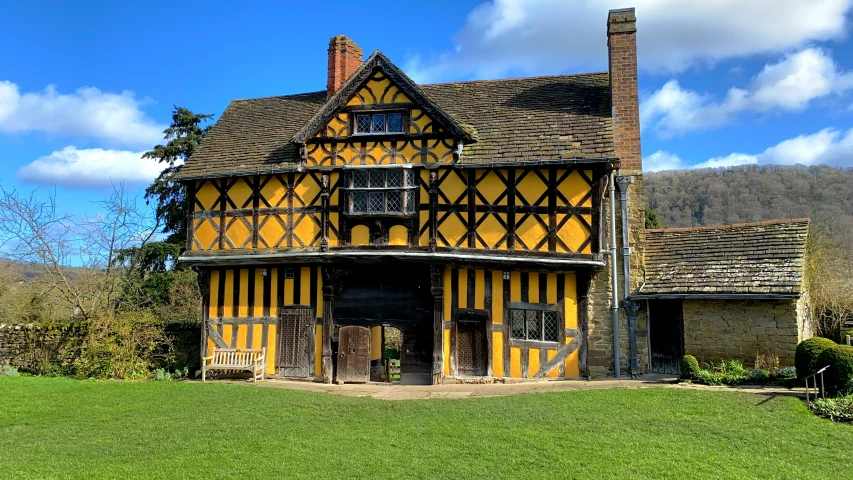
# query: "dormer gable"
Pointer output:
{"type": "Point", "coordinates": [379, 100]}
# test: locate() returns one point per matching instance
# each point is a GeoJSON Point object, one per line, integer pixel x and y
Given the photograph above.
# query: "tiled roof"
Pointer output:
{"type": "Point", "coordinates": [514, 120]}
{"type": "Point", "coordinates": [751, 258]}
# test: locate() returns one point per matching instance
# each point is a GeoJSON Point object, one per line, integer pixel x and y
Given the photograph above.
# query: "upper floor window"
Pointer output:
{"type": "Point", "coordinates": [378, 191]}
{"type": "Point", "coordinates": [378, 123]}
{"type": "Point", "coordinates": [538, 322]}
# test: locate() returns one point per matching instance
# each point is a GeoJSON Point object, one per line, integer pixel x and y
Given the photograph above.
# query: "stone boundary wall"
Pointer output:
{"type": "Point", "coordinates": [34, 346]}
{"type": "Point", "coordinates": [717, 330]}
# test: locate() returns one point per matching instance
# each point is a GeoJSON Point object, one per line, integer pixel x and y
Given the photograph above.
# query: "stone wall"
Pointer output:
{"type": "Point", "coordinates": [33, 347]}
{"type": "Point", "coordinates": [717, 330]}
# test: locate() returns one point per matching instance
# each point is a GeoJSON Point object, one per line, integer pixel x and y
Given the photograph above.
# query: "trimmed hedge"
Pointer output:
{"type": "Point", "coordinates": [838, 379]}
{"type": "Point", "coordinates": [807, 353]}
{"type": "Point", "coordinates": [689, 368]}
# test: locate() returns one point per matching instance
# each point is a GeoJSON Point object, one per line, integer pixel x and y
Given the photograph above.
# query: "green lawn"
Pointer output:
{"type": "Point", "coordinates": [60, 428]}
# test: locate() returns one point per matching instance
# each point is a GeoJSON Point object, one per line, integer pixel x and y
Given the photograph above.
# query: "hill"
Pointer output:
{"type": "Point", "coordinates": [685, 198]}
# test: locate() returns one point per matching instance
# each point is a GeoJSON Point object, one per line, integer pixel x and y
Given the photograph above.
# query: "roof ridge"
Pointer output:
{"type": "Point", "coordinates": [733, 225]}
{"type": "Point", "coordinates": [292, 95]}
{"type": "Point", "coordinates": [515, 78]}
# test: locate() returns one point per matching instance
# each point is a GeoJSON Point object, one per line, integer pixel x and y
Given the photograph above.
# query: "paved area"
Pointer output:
{"type": "Point", "coordinates": [384, 391]}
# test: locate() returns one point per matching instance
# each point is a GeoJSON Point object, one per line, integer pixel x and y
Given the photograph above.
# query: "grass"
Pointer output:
{"type": "Point", "coordinates": [61, 428]}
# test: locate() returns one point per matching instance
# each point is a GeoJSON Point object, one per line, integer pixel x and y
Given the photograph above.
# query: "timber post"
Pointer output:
{"type": "Point", "coordinates": [328, 315]}
{"type": "Point", "coordinates": [437, 290]}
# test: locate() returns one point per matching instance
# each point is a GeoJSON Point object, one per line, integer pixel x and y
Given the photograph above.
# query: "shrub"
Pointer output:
{"type": "Point", "coordinates": [689, 368]}
{"type": "Point", "coordinates": [838, 378]}
{"type": "Point", "coordinates": [807, 353]}
{"type": "Point", "coordinates": [786, 373]}
{"type": "Point", "coordinates": [770, 363]}
{"type": "Point", "coordinates": [837, 409]}
{"type": "Point", "coordinates": [759, 376]}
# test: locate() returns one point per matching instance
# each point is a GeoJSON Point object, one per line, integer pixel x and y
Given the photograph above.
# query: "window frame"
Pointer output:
{"type": "Point", "coordinates": [408, 189]}
{"type": "Point", "coordinates": [540, 309]}
{"type": "Point", "coordinates": [371, 113]}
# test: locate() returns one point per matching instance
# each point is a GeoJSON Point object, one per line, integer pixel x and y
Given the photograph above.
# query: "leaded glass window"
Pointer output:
{"type": "Point", "coordinates": [532, 323]}
{"type": "Point", "coordinates": [382, 191]}
{"type": "Point", "coordinates": [378, 123]}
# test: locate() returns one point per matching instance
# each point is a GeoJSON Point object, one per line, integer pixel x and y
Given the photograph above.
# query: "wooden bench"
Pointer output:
{"type": "Point", "coordinates": [252, 360]}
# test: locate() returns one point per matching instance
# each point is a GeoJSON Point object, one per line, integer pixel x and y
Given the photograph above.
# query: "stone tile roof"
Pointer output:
{"type": "Point", "coordinates": [514, 120]}
{"type": "Point", "coordinates": [749, 258]}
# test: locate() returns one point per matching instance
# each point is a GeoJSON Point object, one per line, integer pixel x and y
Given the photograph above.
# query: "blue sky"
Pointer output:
{"type": "Point", "coordinates": [86, 87]}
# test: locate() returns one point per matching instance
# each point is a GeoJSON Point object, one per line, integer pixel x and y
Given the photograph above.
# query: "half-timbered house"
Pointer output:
{"type": "Point", "coordinates": [497, 224]}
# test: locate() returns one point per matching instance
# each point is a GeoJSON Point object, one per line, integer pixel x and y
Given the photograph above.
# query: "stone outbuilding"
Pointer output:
{"type": "Point", "coordinates": [726, 292]}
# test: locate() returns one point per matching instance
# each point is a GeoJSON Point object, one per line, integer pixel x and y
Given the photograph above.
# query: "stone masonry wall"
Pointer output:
{"type": "Point", "coordinates": [33, 346]}
{"type": "Point", "coordinates": [717, 330]}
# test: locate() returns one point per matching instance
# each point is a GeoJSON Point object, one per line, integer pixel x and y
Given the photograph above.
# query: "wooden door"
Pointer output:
{"type": "Point", "coordinates": [354, 354]}
{"type": "Point", "coordinates": [666, 335]}
{"type": "Point", "coordinates": [295, 342]}
{"type": "Point", "coordinates": [471, 348]}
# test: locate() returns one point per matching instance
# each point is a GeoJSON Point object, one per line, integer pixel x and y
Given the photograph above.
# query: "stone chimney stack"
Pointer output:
{"type": "Point", "coordinates": [622, 54]}
{"type": "Point", "coordinates": [344, 58]}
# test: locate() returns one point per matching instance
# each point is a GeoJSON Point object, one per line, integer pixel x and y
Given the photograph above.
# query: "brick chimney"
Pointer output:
{"type": "Point", "coordinates": [622, 54]}
{"type": "Point", "coordinates": [344, 59]}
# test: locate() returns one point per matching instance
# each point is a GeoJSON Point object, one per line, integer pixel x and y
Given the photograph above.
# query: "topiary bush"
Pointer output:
{"type": "Point", "coordinates": [689, 368]}
{"type": "Point", "coordinates": [838, 378]}
{"type": "Point", "coordinates": [807, 353]}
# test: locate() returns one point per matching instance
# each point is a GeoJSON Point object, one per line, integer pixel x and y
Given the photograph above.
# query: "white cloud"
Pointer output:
{"type": "Point", "coordinates": [828, 146]}
{"type": "Point", "coordinates": [549, 36]}
{"type": "Point", "coordinates": [788, 85]}
{"type": "Point", "coordinates": [90, 168]}
{"type": "Point", "coordinates": [115, 118]}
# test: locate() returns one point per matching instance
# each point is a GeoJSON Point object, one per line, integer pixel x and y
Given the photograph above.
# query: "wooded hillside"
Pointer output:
{"type": "Point", "coordinates": [685, 198]}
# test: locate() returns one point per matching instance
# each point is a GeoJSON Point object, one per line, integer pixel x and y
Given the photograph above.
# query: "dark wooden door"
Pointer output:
{"type": "Point", "coordinates": [295, 342]}
{"type": "Point", "coordinates": [471, 348]}
{"type": "Point", "coordinates": [354, 354]}
{"type": "Point", "coordinates": [417, 354]}
{"type": "Point", "coordinates": [666, 335]}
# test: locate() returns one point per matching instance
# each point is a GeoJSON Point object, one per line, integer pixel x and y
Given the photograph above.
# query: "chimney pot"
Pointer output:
{"type": "Point", "coordinates": [344, 59]}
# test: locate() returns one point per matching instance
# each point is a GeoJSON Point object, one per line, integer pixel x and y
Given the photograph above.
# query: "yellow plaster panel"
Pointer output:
{"type": "Point", "coordinates": [243, 305]}
{"type": "Point", "coordinates": [573, 233]}
{"type": "Point", "coordinates": [490, 231]}
{"type": "Point", "coordinates": [532, 232]}
{"type": "Point", "coordinates": [398, 235]}
{"type": "Point", "coordinates": [257, 336]}
{"type": "Point", "coordinates": [572, 366]}
{"type": "Point", "coordinates": [555, 372]}
{"type": "Point", "coordinates": [239, 232]}
{"type": "Point", "coordinates": [515, 362]}
{"type": "Point", "coordinates": [491, 187]}
{"type": "Point", "coordinates": [273, 290]}
{"type": "Point", "coordinates": [333, 237]}
{"type": "Point", "coordinates": [446, 351]}
{"type": "Point", "coordinates": [448, 295]}
{"type": "Point", "coordinates": [242, 329]}
{"type": "Point", "coordinates": [479, 289]}
{"type": "Point", "coordinates": [214, 294]}
{"type": "Point", "coordinates": [570, 301]}
{"type": "Point", "coordinates": [206, 235]}
{"type": "Point", "coordinates": [318, 351]}
{"type": "Point", "coordinates": [497, 354]}
{"type": "Point", "coordinates": [333, 196]}
{"type": "Point", "coordinates": [207, 194]}
{"type": "Point", "coordinates": [228, 298]}
{"type": "Point", "coordinates": [306, 231]}
{"type": "Point", "coordinates": [258, 304]}
{"type": "Point", "coordinates": [240, 193]}
{"type": "Point", "coordinates": [531, 188]}
{"type": "Point", "coordinates": [273, 192]}
{"type": "Point", "coordinates": [319, 313]}
{"type": "Point", "coordinates": [575, 188]}
{"type": "Point", "coordinates": [307, 191]}
{"type": "Point", "coordinates": [271, 231]}
{"type": "Point", "coordinates": [515, 287]}
{"type": "Point", "coordinates": [305, 286]}
{"type": "Point", "coordinates": [360, 235]}
{"type": "Point", "coordinates": [271, 353]}
{"type": "Point", "coordinates": [288, 291]}
{"type": "Point", "coordinates": [532, 362]}
{"type": "Point", "coordinates": [533, 287]}
{"type": "Point", "coordinates": [453, 230]}
{"type": "Point", "coordinates": [226, 335]}
{"type": "Point", "coordinates": [453, 186]}
{"type": "Point", "coordinates": [497, 297]}
{"type": "Point", "coordinates": [375, 343]}
{"type": "Point", "coordinates": [552, 289]}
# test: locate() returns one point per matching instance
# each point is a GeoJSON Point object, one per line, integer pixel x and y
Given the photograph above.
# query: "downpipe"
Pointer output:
{"type": "Point", "coordinates": [614, 281]}
{"type": "Point", "coordinates": [631, 307]}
